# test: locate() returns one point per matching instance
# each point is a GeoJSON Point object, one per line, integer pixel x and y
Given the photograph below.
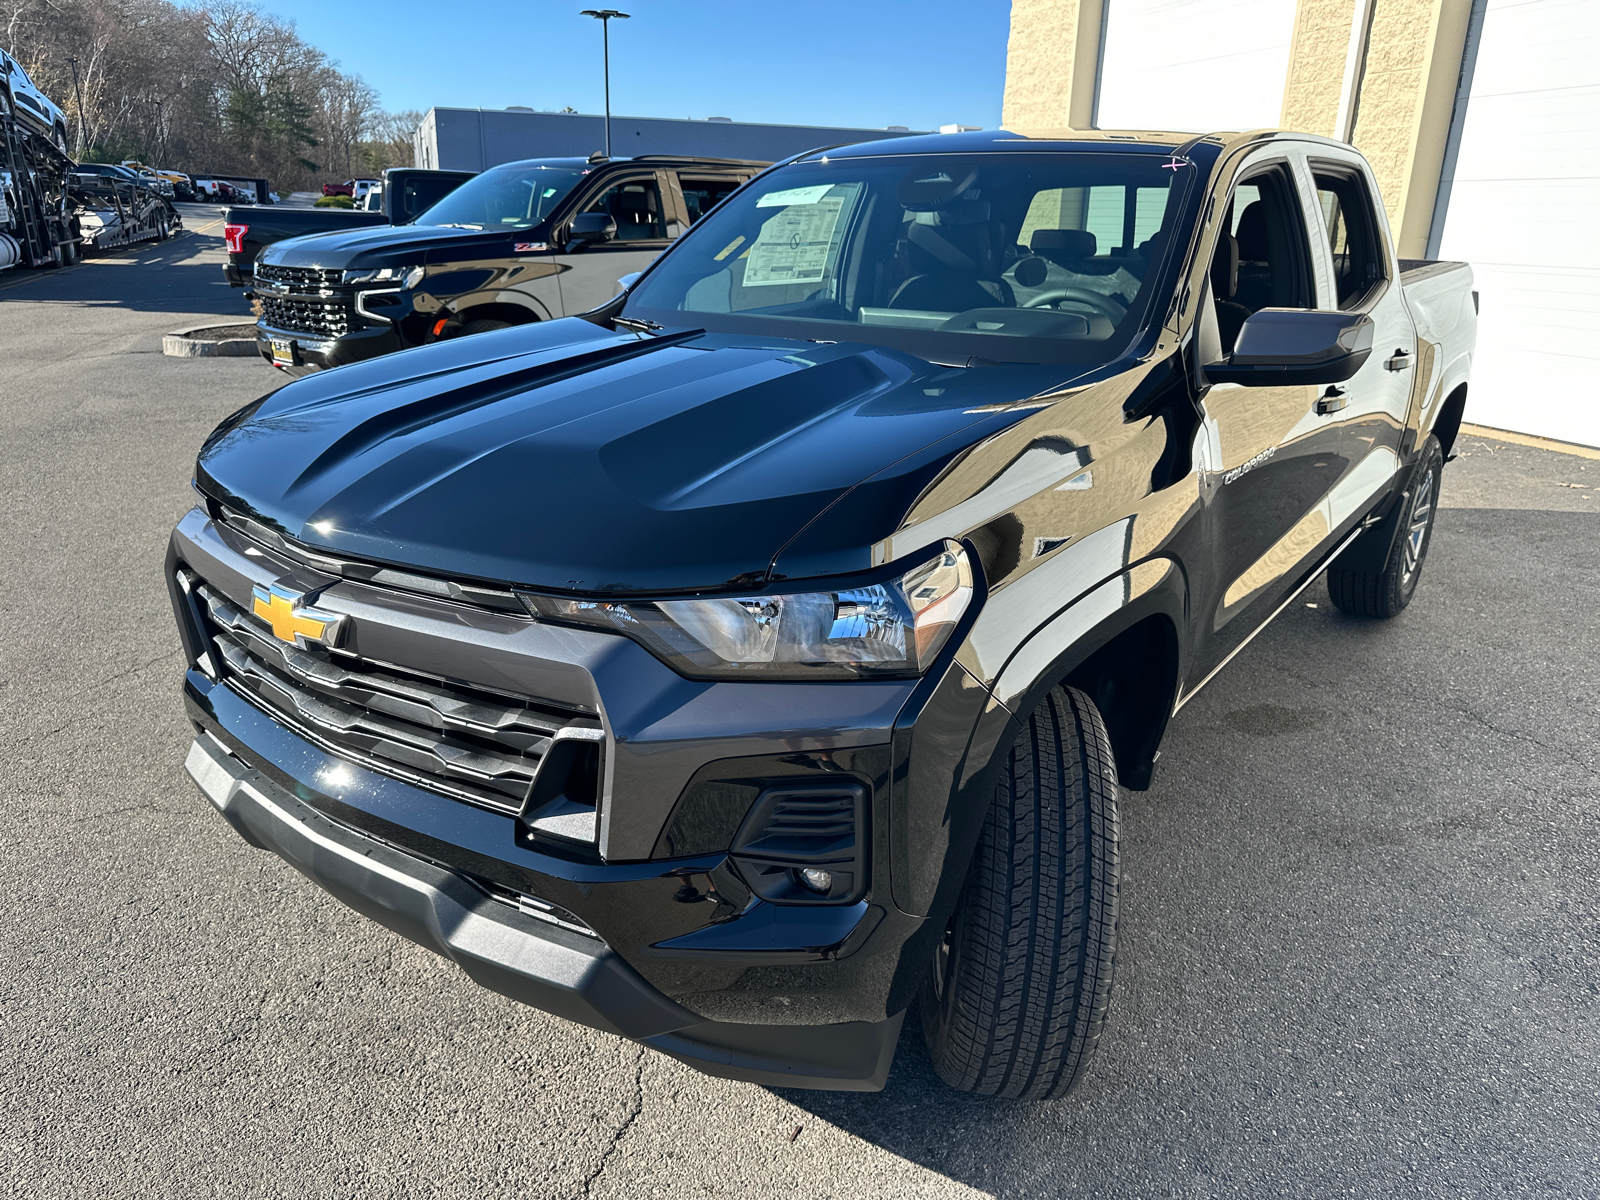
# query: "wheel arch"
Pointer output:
{"type": "Point", "coordinates": [498, 310]}
{"type": "Point", "coordinates": [1447, 425]}
{"type": "Point", "coordinates": [1128, 660]}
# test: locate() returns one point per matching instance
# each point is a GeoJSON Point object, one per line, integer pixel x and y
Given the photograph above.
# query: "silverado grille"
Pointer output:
{"type": "Point", "coordinates": [299, 278]}
{"type": "Point", "coordinates": [318, 318]}
{"type": "Point", "coordinates": [478, 746]}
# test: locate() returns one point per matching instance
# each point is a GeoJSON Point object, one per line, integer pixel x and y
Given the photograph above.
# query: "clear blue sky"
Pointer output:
{"type": "Point", "coordinates": [865, 63]}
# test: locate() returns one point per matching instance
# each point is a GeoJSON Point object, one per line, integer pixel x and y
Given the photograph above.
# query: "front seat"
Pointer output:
{"type": "Point", "coordinates": [951, 251]}
{"type": "Point", "coordinates": [634, 210]}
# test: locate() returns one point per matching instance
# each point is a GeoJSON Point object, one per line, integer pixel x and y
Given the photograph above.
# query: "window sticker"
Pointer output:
{"type": "Point", "coordinates": [799, 244]}
{"type": "Point", "coordinates": [805, 195]}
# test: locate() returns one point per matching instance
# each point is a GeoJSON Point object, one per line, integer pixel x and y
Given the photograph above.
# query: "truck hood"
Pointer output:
{"type": "Point", "coordinates": [564, 456]}
{"type": "Point", "coordinates": [378, 246]}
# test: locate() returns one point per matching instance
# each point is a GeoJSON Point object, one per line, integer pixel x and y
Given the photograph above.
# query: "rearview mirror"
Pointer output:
{"type": "Point", "coordinates": [1282, 347]}
{"type": "Point", "coordinates": [593, 227]}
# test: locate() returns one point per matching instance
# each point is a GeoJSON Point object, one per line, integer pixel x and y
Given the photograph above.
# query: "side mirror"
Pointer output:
{"type": "Point", "coordinates": [1283, 347]}
{"type": "Point", "coordinates": [593, 227]}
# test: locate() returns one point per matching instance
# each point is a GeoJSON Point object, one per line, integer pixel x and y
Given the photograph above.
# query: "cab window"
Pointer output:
{"type": "Point", "coordinates": [1261, 258]}
{"type": "Point", "coordinates": [635, 205]}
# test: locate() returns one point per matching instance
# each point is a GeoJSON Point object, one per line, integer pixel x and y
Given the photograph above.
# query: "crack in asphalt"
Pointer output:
{"type": "Point", "coordinates": [622, 1129]}
{"type": "Point", "coordinates": [99, 687]}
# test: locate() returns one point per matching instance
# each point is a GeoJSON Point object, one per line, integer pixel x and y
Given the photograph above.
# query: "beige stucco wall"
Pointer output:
{"type": "Point", "coordinates": [1407, 89]}
{"type": "Point", "coordinates": [1316, 66]}
{"type": "Point", "coordinates": [1051, 60]}
{"type": "Point", "coordinates": [1413, 64]}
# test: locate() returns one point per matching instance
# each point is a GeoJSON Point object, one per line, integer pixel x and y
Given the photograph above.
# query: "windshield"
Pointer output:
{"type": "Point", "coordinates": [515, 196]}
{"type": "Point", "coordinates": [1015, 257]}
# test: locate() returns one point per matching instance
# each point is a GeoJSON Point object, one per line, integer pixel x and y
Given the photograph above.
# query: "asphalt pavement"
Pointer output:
{"type": "Point", "coordinates": [1359, 926]}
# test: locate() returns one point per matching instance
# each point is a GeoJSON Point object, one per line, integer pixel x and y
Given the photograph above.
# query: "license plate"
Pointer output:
{"type": "Point", "coordinates": [283, 351]}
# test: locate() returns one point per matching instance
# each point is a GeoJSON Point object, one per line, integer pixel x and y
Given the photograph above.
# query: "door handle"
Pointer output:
{"type": "Point", "coordinates": [1331, 401]}
{"type": "Point", "coordinates": [1399, 361]}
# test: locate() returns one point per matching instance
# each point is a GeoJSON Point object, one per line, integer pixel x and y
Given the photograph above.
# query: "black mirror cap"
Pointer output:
{"type": "Point", "coordinates": [593, 227]}
{"type": "Point", "coordinates": [1285, 347]}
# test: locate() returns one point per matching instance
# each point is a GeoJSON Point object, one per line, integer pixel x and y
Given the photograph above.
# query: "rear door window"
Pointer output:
{"type": "Point", "coordinates": [1350, 225]}
{"type": "Point", "coordinates": [703, 193]}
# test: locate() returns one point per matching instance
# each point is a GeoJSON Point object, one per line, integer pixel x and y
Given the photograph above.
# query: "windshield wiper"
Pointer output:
{"type": "Point", "coordinates": [637, 324]}
{"type": "Point", "coordinates": [458, 225]}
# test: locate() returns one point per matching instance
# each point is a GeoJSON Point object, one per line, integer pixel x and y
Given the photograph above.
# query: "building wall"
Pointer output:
{"type": "Point", "coordinates": [474, 139]}
{"type": "Point", "coordinates": [1317, 64]}
{"type": "Point", "coordinates": [1210, 58]}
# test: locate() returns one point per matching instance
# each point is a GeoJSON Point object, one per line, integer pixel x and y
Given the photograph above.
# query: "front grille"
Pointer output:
{"type": "Point", "coordinates": [299, 278]}
{"type": "Point", "coordinates": [470, 743]}
{"type": "Point", "coordinates": [327, 318]}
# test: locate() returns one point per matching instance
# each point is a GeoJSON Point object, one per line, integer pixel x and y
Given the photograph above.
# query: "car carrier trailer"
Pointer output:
{"type": "Point", "coordinates": [38, 224]}
{"type": "Point", "coordinates": [49, 213]}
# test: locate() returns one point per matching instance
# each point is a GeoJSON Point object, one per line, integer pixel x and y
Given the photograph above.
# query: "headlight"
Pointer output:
{"type": "Point", "coordinates": [885, 630]}
{"type": "Point", "coordinates": [400, 275]}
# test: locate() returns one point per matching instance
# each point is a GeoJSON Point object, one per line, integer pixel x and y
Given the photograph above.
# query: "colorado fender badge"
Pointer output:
{"type": "Point", "coordinates": [529, 247]}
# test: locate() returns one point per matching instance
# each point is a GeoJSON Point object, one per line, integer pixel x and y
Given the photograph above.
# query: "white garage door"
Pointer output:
{"type": "Point", "coordinates": [1199, 65]}
{"type": "Point", "coordinates": [1524, 210]}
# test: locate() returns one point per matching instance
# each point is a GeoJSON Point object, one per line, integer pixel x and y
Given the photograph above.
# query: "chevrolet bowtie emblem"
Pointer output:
{"type": "Point", "coordinates": [294, 622]}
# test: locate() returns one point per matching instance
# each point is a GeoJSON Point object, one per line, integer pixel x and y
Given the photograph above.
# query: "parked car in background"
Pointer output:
{"type": "Point", "coordinates": [522, 242]}
{"type": "Point", "coordinates": [406, 192]}
{"type": "Point", "coordinates": [373, 201]}
{"type": "Point", "coordinates": [761, 655]}
{"type": "Point", "coordinates": [34, 108]}
{"type": "Point", "coordinates": [219, 191]}
{"type": "Point", "coordinates": [113, 171]}
{"type": "Point", "coordinates": [183, 187]}
{"type": "Point", "coordinates": [181, 183]}
{"type": "Point", "coordinates": [347, 188]}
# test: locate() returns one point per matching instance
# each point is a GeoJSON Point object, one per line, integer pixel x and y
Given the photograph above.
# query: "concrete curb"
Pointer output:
{"type": "Point", "coordinates": [183, 345]}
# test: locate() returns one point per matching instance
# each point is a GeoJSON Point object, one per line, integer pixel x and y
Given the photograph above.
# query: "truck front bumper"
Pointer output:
{"type": "Point", "coordinates": [530, 959]}
{"type": "Point", "coordinates": [320, 354]}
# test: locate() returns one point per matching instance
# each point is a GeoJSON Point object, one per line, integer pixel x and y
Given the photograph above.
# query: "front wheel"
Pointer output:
{"type": "Point", "coordinates": [1385, 592]}
{"type": "Point", "coordinates": [1017, 996]}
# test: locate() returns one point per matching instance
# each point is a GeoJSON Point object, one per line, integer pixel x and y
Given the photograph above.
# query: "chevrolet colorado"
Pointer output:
{"type": "Point", "coordinates": [759, 656]}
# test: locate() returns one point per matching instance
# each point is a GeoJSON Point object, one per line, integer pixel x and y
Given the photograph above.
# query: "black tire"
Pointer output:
{"type": "Point", "coordinates": [1385, 593]}
{"type": "Point", "coordinates": [1017, 997]}
{"type": "Point", "coordinates": [483, 326]}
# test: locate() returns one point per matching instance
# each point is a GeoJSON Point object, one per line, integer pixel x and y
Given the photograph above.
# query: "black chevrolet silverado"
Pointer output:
{"type": "Point", "coordinates": [249, 229]}
{"type": "Point", "coordinates": [757, 658]}
{"type": "Point", "coordinates": [522, 242]}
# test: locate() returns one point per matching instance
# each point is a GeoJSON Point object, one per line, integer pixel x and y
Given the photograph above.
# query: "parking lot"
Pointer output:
{"type": "Point", "coordinates": [1361, 901]}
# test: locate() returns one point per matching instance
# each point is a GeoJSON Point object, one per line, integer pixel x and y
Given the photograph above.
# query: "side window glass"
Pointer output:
{"type": "Point", "coordinates": [635, 205]}
{"type": "Point", "coordinates": [1261, 258]}
{"type": "Point", "coordinates": [1348, 220]}
{"type": "Point", "coordinates": [700, 196]}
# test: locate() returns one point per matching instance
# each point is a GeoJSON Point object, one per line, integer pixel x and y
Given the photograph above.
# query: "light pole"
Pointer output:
{"type": "Point", "coordinates": [604, 15]}
{"type": "Point", "coordinates": [77, 87]}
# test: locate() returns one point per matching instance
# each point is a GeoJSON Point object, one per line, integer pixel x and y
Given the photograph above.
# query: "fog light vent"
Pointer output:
{"type": "Point", "coordinates": [806, 844]}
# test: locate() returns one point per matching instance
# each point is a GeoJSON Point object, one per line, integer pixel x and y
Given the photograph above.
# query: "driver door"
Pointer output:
{"type": "Point", "coordinates": [1269, 457]}
{"type": "Point", "coordinates": [589, 271]}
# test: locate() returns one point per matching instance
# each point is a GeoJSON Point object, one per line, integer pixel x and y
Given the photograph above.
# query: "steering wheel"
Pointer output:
{"type": "Point", "coordinates": [1104, 305]}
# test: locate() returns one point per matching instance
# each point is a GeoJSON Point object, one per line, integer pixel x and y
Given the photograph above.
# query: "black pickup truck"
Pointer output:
{"type": "Point", "coordinates": [249, 229]}
{"type": "Point", "coordinates": [524, 241]}
{"type": "Point", "coordinates": [761, 655]}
